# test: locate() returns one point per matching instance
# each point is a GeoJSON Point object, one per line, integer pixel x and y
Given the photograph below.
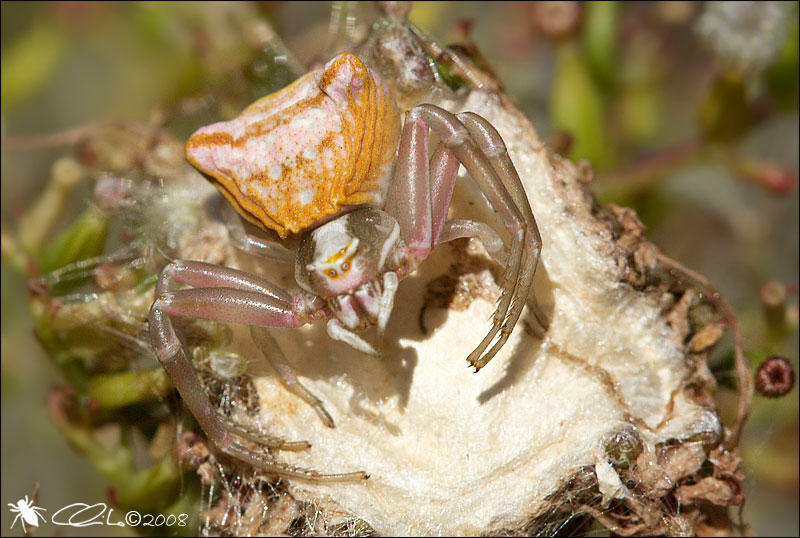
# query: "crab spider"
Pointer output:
{"type": "Point", "coordinates": [319, 159]}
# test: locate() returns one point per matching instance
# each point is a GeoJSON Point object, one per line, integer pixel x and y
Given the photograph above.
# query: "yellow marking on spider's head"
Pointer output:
{"type": "Point", "coordinates": [339, 263]}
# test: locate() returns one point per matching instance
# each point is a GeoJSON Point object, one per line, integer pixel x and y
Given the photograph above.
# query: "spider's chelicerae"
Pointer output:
{"type": "Point", "coordinates": [318, 160]}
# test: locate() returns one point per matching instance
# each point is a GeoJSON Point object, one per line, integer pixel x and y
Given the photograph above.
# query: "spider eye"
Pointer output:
{"type": "Point", "coordinates": [332, 272]}
{"type": "Point", "coordinates": [345, 266]}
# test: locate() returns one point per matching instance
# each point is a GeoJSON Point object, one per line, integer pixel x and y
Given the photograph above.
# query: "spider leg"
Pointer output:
{"type": "Point", "coordinates": [259, 437]}
{"type": "Point", "coordinates": [226, 295]}
{"type": "Point", "coordinates": [206, 275]}
{"type": "Point", "coordinates": [270, 349]}
{"type": "Point", "coordinates": [252, 244]}
{"type": "Point", "coordinates": [457, 229]}
{"type": "Point", "coordinates": [269, 300]}
{"type": "Point", "coordinates": [444, 171]}
{"type": "Point", "coordinates": [409, 199]}
{"type": "Point", "coordinates": [491, 144]}
{"type": "Point", "coordinates": [421, 195]}
{"type": "Point", "coordinates": [15, 510]}
{"type": "Point", "coordinates": [455, 136]}
{"type": "Point", "coordinates": [230, 305]}
{"type": "Point", "coordinates": [421, 191]}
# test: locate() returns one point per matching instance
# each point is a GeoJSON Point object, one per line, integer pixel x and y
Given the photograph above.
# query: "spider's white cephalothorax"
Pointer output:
{"type": "Point", "coordinates": [327, 159]}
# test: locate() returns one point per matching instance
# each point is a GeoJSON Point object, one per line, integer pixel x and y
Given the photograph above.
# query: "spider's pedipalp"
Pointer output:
{"type": "Point", "coordinates": [390, 285]}
{"type": "Point", "coordinates": [337, 331]}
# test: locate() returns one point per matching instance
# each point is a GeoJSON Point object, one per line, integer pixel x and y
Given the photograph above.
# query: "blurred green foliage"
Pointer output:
{"type": "Point", "coordinates": [30, 62]}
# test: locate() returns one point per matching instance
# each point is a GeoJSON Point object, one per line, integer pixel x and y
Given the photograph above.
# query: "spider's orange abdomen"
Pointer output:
{"type": "Point", "coordinates": [324, 143]}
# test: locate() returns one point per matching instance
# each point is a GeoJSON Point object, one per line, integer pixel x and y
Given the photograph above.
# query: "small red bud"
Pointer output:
{"type": "Point", "coordinates": [774, 377]}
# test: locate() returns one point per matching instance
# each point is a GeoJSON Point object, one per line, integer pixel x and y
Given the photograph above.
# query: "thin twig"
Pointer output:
{"type": "Point", "coordinates": [66, 137]}
{"type": "Point", "coordinates": [743, 373]}
{"type": "Point", "coordinates": [642, 173]}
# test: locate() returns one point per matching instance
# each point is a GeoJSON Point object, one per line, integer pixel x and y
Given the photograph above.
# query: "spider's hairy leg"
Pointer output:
{"type": "Point", "coordinates": [273, 353]}
{"type": "Point", "coordinates": [461, 228]}
{"type": "Point", "coordinates": [459, 141]}
{"type": "Point", "coordinates": [491, 144]}
{"type": "Point", "coordinates": [410, 196]}
{"type": "Point", "coordinates": [444, 171]}
{"type": "Point", "coordinates": [247, 242]}
{"type": "Point", "coordinates": [228, 295]}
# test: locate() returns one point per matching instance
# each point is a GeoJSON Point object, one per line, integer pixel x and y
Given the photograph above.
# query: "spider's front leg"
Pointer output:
{"type": "Point", "coordinates": [492, 146]}
{"type": "Point", "coordinates": [422, 194]}
{"type": "Point", "coordinates": [224, 294]}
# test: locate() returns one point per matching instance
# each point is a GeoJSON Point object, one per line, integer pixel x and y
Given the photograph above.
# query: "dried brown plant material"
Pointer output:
{"type": "Point", "coordinates": [773, 299]}
{"type": "Point", "coordinates": [706, 338]}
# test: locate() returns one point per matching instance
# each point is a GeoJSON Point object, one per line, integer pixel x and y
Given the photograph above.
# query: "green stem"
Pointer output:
{"type": "Point", "coordinates": [121, 389]}
{"type": "Point", "coordinates": [642, 174]}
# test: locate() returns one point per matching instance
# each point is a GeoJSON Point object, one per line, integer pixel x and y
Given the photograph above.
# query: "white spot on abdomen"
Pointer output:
{"type": "Point", "coordinates": [306, 197]}
{"type": "Point", "coordinates": [301, 123]}
{"type": "Point", "coordinates": [327, 158]}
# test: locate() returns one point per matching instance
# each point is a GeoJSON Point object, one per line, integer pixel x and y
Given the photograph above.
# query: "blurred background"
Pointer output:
{"type": "Point", "coordinates": [687, 111]}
